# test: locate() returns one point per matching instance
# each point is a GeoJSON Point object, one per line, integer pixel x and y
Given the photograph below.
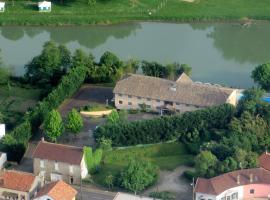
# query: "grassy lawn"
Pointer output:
{"type": "Point", "coordinates": [166, 156]}
{"type": "Point", "coordinates": [15, 102]}
{"type": "Point", "coordinates": [105, 12]}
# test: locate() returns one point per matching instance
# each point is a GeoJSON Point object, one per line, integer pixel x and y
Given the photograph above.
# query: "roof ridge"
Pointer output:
{"type": "Point", "coordinates": [18, 172]}
{"type": "Point", "coordinates": [59, 144]}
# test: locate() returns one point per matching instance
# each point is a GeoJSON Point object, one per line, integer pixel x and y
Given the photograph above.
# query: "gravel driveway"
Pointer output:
{"type": "Point", "coordinates": [174, 182]}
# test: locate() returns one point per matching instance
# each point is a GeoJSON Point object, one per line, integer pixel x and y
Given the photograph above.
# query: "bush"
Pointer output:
{"type": "Point", "coordinates": [189, 175]}
{"type": "Point", "coordinates": [165, 195]}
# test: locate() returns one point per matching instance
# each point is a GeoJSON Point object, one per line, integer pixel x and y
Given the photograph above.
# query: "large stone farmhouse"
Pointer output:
{"type": "Point", "coordinates": [53, 162]}
{"type": "Point", "coordinates": [135, 91]}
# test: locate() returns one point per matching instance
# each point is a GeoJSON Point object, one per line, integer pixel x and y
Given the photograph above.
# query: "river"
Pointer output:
{"type": "Point", "coordinates": [221, 53]}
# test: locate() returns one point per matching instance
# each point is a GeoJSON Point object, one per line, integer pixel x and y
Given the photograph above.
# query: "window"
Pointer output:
{"type": "Point", "coordinates": [139, 97]}
{"type": "Point", "coordinates": [129, 96]}
{"type": "Point", "coordinates": [158, 101]}
{"type": "Point", "coordinates": [71, 180]}
{"type": "Point", "coordinates": [148, 99]}
{"type": "Point", "coordinates": [22, 197]}
{"type": "Point", "coordinates": [235, 196]}
{"type": "Point", "coordinates": [252, 191]}
{"type": "Point", "coordinates": [56, 166]}
{"type": "Point", "coordinates": [120, 102]}
{"type": "Point", "coordinates": [177, 104]}
{"type": "Point", "coordinates": [120, 95]}
{"type": "Point", "coordinates": [223, 198]}
{"type": "Point", "coordinates": [70, 169]}
{"type": "Point", "coordinates": [129, 103]}
{"type": "Point", "coordinates": [228, 198]}
{"type": "Point", "coordinates": [41, 163]}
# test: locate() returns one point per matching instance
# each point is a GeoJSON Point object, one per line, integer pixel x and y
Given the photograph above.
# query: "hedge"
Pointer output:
{"type": "Point", "coordinates": [166, 128]}
{"type": "Point", "coordinates": [15, 143]}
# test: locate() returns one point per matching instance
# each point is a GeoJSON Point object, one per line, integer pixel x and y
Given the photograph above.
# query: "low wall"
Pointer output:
{"type": "Point", "coordinates": [95, 113]}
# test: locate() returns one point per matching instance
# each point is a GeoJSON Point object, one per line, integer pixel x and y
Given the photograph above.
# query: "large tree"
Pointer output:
{"type": "Point", "coordinates": [4, 73]}
{"type": "Point", "coordinates": [49, 66]}
{"type": "Point", "coordinates": [74, 122]}
{"type": "Point", "coordinates": [138, 175]}
{"type": "Point", "coordinates": [205, 164]}
{"type": "Point", "coordinates": [261, 75]}
{"type": "Point", "coordinates": [53, 125]}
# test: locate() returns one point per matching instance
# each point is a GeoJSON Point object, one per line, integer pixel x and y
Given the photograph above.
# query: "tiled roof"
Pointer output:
{"type": "Point", "coordinates": [58, 191]}
{"type": "Point", "coordinates": [58, 152]}
{"type": "Point", "coordinates": [264, 161]}
{"type": "Point", "coordinates": [15, 180]}
{"type": "Point", "coordinates": [182, 91]}
{"type": "Point", "coordinates": [219, 184]}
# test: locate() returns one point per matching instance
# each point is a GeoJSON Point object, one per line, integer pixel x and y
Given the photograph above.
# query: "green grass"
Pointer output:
{"type": "Point", "coordinates": [114, 11]}
{"type": "Point", "coordinates": [14, 102]}
{"type": "Point", "coordinates": [166, 156]}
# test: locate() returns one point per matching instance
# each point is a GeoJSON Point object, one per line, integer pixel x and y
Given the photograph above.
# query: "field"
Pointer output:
{"type": "Point", "coordinates": [79, 12]}
{"type": "Point", "coordinates": [166, 156]}
{"type": "Point", "coordinates": [14, 102]}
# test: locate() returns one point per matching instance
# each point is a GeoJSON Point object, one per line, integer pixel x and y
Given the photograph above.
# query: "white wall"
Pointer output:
{"type": "Point", "coordinates": [3, 160]}
{"type": "Point", "coordinates": [84, 171]}
{"type": "Point", "coordinates": [2, 130]}
{"type": "Point", "coordinates": [45, 197]}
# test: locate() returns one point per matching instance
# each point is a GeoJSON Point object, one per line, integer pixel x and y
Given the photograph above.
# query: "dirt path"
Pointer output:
{"type": "Point", "coordinates": [173, 182]}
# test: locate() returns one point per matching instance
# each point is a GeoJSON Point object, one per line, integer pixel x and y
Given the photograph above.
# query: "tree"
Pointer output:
{"type": "Point", "coordinates": [49, 66]}
{"type": "Point", "coordinates": [110, 60]}
{"type": "Point", "coordinates": [74, 122]}
{"type": "Point", "coordinates": [53, 125]}
{"type": "Point", "coordinates": [4, 73]}
{"type": "Point", "coordinates": [65, 55]}
{"type": "Point", "coordinates": [138, 175]}
{"type": "Point", "coordinates": [113, 117]}
{"type": "Point", "coordinates": [184, 68]}
{"type": "Point", "coordinates": [88, 156]}
{"type": "Point", "coordinates": [205, 164]}
{"type": "Point", "coordinates": [109, 180]}
{"type": "Point", "coordinates": [261, 75]}
{"type": "Point", "coordinates": [154, 69]}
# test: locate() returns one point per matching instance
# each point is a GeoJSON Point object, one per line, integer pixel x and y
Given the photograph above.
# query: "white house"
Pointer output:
{"type": "Point", "coordinates": [3, 159]}
{"type": "Point", "coordinates": [2, 6]}
{"type": "Point", "coordinates": [2, 130]}
{"type": "Point", "coordinates": [44, 6]}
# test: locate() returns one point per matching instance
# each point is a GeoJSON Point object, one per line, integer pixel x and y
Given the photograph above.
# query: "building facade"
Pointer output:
{"type": "Point", "coordinates": [16, 185]}
{"type": "Point", "coordinates": [237, 185]}
{"type": "Point", "coordinates": [137, 92]}
{"type": "Point", "coordinates": [53, 162]}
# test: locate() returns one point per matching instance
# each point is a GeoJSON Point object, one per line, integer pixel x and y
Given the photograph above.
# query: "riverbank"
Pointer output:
{"type": "Point", "coordinates": [117, 11]}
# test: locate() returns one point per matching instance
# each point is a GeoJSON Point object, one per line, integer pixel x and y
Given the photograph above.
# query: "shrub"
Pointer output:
{"type": "Point", "coordinates": [165, 195]}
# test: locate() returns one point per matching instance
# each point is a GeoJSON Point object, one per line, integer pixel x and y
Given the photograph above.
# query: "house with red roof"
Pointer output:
{"type": "Point", "coordinates": [246, 184]}
{"type": "Point", "coordinates": [53, 162]}
{"type": "Point", "coordinates": [18, 185]}
{"type": "Point", "coordinates": [58, 190]}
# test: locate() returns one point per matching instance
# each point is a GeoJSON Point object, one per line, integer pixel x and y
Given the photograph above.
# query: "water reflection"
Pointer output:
{"type": "Point", "coordinates": [218, 53]}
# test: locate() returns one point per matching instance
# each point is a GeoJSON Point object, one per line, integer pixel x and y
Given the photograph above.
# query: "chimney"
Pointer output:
{"type": "Point", "coordinates": [173, 87]}
{"type": "Point", "coordinates": [238, 179]}
{"type": "Point", "coordinates": [251, 178]}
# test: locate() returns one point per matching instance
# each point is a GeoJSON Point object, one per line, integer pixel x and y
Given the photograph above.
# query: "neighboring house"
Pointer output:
{"type": "Point", "coordinates": [135, 91]}
{"type": "Point", "coordinates": [56, 191]}
{"type": "Point", "coordinates": [2, 6]}
{"type": "Point", "coordinates": [53, 162]}
{"type": "Point", "coordinates": [236, 185]}
{"type": "Point", "coordinates": [44, 6]}
{"type": "Point", "coordinates": [2, 130]}
{"type": "Point", "coordinates": [18, 185]}
{"type": "Point", "coordinates": [264, 161]}
{"type": "Point", "coordinates": [3, 159]}
{"type": "Point", "coordinates": [124, 196]}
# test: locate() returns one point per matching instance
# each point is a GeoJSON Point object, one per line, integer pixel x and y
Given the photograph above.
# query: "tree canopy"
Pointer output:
{"type": "Point", "coordinates": [261, 75]}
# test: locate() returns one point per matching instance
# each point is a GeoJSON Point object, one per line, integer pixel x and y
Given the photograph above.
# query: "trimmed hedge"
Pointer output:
{"type": "Point", "coordinates": [15, 143]}
{"type": "Point", "coordinates": [166, 128]}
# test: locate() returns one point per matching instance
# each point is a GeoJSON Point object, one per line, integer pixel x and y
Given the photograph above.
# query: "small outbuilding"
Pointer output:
{"type": "Point", "coordinates": [44, 6]}
{"type": "Point", "coordinates": [2, 6]}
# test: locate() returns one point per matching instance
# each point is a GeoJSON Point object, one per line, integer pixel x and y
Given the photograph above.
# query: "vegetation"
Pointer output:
{"type": "Point", "coordinates": [53, 125]}
{"type": "Point", "coordinates": [74, 122]}
{"type": "Point", "coordinates": [165, 195]}
{"type": "Point", "coordinates": [261, 75]}
{"type": "Point", "coordinates": [138, 175]}
{"type": "Point", "coordinates": [116, 117]}
{"type": "Point", "coordinates": [105, 12]}
{"type": "Point", "coordinates": [92, 159]}
{"type": "Point", "coordinates": [95, 107]}
{"type": "Point", "coordinates": [167, 156]}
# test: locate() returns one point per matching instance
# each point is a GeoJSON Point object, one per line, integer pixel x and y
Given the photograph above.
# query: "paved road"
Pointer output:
{"type": "Point", "coordinates": [94, 194]}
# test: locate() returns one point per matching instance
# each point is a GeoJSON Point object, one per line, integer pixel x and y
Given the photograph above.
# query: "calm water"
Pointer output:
{"type": "Point", "coordinates": [218, 53]}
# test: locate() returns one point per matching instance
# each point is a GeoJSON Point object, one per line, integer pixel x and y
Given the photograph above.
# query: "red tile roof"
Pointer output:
{"type": "Point", "coordinates": [219, 184]}
{"type": "Point", "coordinates": [14, 180]}
{"type": "Point", "coordinates": [264, 161]}
{"type": "Point", "coordinates": [58, 191]}
{"type": "Point", "coordinates": [58, 152]}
